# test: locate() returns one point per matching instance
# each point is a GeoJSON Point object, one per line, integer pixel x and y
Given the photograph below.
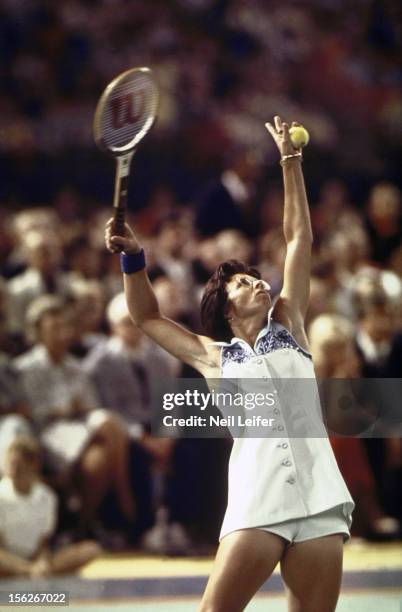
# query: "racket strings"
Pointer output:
{"type": "Point", "coordinates": [129, 112]}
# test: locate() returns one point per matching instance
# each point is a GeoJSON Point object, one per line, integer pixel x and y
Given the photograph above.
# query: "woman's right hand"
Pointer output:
{"type": "Point", "coordinates": [129, 241]}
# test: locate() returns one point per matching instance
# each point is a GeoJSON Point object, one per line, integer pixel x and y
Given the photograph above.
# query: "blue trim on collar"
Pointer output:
{"type": "Point", "coordinates": [280, 338]}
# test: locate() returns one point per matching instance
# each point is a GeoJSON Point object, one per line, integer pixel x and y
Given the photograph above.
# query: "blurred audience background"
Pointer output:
{"type": "Point", "coordinates": [205, 186]}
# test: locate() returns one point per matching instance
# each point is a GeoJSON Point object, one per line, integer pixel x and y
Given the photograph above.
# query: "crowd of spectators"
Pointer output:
{"type": "Point", "coordinates": [223, 67]}
{"type": "Point", "coordinates": [75, 373]}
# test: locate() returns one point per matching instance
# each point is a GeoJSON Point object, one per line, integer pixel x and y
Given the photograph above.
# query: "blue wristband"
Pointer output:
{"type": "Point", "coordinates": [133, 262]}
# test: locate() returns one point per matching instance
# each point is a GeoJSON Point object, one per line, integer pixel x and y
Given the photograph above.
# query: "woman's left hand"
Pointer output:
{"type": "Point", "coordinates": [281, 136]}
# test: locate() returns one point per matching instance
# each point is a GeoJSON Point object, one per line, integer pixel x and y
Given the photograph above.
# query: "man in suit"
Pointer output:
{"type": "Point", "coordinates": [226, 202]}
{"type": "Point", "coordinates": [380, 350]}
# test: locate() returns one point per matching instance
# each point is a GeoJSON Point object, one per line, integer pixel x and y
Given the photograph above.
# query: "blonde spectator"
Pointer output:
{"type": "Point", "coordinates": [28, 515]}
{"type": "Point", "coordinates": [18, 225]}
{"type": "Point", "coordinates": [40, 219]}
{"type": "Point", "coordinates": [331, 344]}
{"type": "Point", "coordinates": [43, 255]}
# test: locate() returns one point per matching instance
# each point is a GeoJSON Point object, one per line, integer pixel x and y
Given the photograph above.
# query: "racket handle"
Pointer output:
{"type": "Point", "coordinates": [120, 196]}
{"type": "Point", "coordinates": [119, 218]}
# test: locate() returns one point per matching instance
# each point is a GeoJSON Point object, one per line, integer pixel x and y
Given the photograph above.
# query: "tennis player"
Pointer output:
{"type": "Point", "coordinates": [287, 500]}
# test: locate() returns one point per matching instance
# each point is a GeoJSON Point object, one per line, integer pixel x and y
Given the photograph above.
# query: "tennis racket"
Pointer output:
{"type": "Point", "coordinates": [125, 113]}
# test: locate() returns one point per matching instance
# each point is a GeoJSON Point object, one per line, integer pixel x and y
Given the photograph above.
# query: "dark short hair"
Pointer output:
{"type": "Point", "coordinates": [214, 299]}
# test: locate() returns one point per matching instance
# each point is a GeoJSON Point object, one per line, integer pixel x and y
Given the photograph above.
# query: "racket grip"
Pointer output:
{"type": "Point", "coordinates": [120, 199]}
{"type": "Point", "coordinates": [119, 219]}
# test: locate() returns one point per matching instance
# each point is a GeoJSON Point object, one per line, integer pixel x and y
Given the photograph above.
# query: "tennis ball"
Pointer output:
{"type": "Point", "coordinates": [299, 136]}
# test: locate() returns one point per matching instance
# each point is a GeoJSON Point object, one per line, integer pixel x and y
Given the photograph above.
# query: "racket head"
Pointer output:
{"type": "Point", "coordinates": [126, 111]}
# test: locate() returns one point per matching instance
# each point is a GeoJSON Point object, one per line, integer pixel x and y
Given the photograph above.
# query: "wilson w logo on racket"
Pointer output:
{"type": "Point", "coordinates": [127, 109]}
{"type": "Point", "coordinates": [125, 113]}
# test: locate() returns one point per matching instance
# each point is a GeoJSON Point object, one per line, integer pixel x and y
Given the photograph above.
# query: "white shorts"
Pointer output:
{"type": "Point", "coordinates": [65, 440]}
{"type": "Point", "coordinates": [329, 522]}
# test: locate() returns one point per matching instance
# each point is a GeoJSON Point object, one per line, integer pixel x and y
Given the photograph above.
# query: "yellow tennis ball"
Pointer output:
{"type": "Point", "coordinates": [299, 136]}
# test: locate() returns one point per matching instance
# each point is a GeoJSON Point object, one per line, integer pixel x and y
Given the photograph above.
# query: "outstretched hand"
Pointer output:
{"type": "Point", "coordinates": [281, 136]}
{"type": "Point", "coordinates": [129, 241]}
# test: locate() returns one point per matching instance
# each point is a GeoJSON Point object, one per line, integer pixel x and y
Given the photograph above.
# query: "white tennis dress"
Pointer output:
{"type": "Point", "coordinates": [274, 479]}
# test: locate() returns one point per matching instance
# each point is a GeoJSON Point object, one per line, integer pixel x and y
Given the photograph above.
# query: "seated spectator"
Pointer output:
{"type": "Point", "coordinates": [175, 233]}
{"type": "Point", "coordinates": [169, 295]}
{"type": "Point", "coordinates": [14, 412]}
{"type": "Point", "coordinates": [84, 444]}
{"type": "Point", "coordinates": [124, 370]}
{"type": "Point", "coordinates": [43, 254]}
{"type": "Point", "coordinates": [10, 343]}
{"type": "Point", "coordinates": [271, 258]}
{"type": "Point", "coordinates": [343, 257]}
{"type": "Point", "coordinates": [225, 203]}
{"type": "Point", "coordinates": [28, 514]}
{"type": "Point", "coordinates": [123, 367]}
{"type": "Point", "coordinates": [384, 221]}
{"type": "Point", "coordinates": [205, 259]}
{"type": "Point", "coordinates": [40, 219]}
{"type": "Point", "coordinates": [88, 309]}
{"type": "Point", "coordinates": [84, 260]}
{"type": "Point", "coordinates": [335, 357]}
{"type": "Point", "coordinates": [396, 261]}
{"type": "Point", "coordinates": [333, 203]}
{"type": "Point", "coordinates": [375, 327]}
{"type": "Point", "coordinates": [349, 248]}
{"type": "Point", "coordinates": [380, 350]}
{"type": "Point", "coordinates": [320, 299]}
{"type": "Point", "coordinates": [234, 244]}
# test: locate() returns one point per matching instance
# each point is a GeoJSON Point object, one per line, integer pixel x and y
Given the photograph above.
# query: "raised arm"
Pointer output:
{"type": "Point", "coordinates": [191, 348]}
{"type": "Point", "coordinates": [293, 301]}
